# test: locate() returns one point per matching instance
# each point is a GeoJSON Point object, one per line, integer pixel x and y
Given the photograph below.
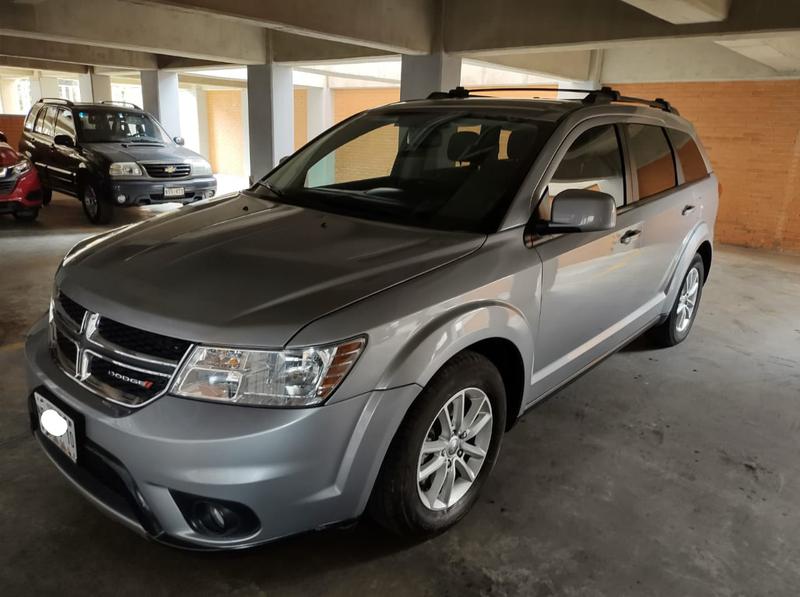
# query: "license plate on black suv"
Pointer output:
{"type": "Point", "coordinates": [174, 192]}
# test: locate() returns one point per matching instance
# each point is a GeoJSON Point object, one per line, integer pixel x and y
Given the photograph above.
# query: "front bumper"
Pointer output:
{"type": "Point", "coordinates": [151, 191]}
{"type": "Point", "coordinates": [22, 195]}
{"type": "Point", "coordinates": [295, 469]}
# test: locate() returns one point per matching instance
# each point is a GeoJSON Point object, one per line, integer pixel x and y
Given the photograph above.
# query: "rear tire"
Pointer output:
{"type": "Point", "coordinates": [97, 210]}
{"type": "Point", "coordinates": [681, 318]}
{"type": "Point", "coordinates": [27, 216]}
{"type": "Point", "coordinates": [47, 196]}
{"type": "Point", "coordinates": [405, 499]}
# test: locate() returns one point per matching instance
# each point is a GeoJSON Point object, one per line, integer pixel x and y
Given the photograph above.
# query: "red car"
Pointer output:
{"type": "Point", "coordinates": [20, 191]}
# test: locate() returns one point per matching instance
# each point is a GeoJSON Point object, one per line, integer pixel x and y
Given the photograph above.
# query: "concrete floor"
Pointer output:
{"type": "Point", "coordinates": [673, 472]}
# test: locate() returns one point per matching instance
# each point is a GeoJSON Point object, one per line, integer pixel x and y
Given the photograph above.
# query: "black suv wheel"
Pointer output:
{"type": "Point", "coordinates": [97, 210]}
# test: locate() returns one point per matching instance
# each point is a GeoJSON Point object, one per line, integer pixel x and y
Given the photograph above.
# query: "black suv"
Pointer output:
{"type": "Point", "coordinates": [111, 154]}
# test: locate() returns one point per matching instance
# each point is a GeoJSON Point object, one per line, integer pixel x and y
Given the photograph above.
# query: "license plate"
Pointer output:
{"type": "Point", "coordinates": [173, 192]}
{"type": "Point", "coordinates": [56, 426]}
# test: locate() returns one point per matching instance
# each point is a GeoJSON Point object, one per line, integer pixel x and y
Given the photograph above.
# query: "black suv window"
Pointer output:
{"type": "Point", "coordinates": [107, 125]}
{"type": "Point", "coordinates": [46, 121]}
{"type": "Point", "coordinates": [31, 118]}
{"type": "Point", "coordinates": [64, 123]}
{"type": "Point", "coordinates": [651, 158]}
{"type": "Point", "coordinates": [689, 156]}
{"type": "Point", "coordinates": [594, 162]}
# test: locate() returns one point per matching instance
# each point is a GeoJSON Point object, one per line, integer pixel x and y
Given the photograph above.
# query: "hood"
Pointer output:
{"type": "Point", "coordinates": [135, 152]}
{"type": "Point", "coordinates": [244, 271]}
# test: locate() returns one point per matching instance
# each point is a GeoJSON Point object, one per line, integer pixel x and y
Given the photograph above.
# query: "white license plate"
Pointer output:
{"type": "Point", "coordinates": [57, 426]}
{"type": "Point", "coordinates": [173, 192]}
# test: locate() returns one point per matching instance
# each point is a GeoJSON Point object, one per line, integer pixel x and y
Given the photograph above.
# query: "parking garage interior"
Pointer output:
{"type": "Point", "coordinates": [657, 473]}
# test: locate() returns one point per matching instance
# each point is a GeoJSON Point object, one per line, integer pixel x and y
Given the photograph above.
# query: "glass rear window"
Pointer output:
{"type": "Point", "coordinates": [434, 169]}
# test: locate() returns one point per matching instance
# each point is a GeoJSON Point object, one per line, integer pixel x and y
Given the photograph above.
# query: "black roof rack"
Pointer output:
{"type": "Point", "coordinates": [593, 96]}
{"type": "Point", "coordinates": [118, 103]}
{"type": "Point", "coordinates": [56, 100]}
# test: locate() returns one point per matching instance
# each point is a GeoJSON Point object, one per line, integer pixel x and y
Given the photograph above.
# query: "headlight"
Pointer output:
{"type": "Point", "coordinates": [301, 377]}
{"type": "Point", "coordinates": [124, 169]}
{"type": "Point", "coordinates": [21, 167]}
{"type": "Point", "coordinates": [199, 166]}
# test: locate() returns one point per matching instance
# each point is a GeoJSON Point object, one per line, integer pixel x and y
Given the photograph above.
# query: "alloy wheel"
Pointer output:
{"type": "Point", "coordinates": [90, 201]}
{"type": "Point", "coordinates": [687, 300]}
{"type": "Point", "coordinates": [454, 449]}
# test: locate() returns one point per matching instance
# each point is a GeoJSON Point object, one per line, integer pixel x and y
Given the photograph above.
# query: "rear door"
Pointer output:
{"type": "Point", "coordinates": [590, 300]}
{"type": "Point", "coordinates": [26, 145]}
{"type": "Point", "coordinates": [42, 139]}
{"type": "Point", "coordinates": [64, 160]}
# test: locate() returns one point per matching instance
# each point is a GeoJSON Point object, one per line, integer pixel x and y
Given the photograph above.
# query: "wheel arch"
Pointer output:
{"type": "Point", "coordinates": [705, 250]}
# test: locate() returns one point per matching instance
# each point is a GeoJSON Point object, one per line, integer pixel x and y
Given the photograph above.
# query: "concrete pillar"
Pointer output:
{"type": "Point", "coordinates": [85, 88]}
{"type": "Point", "coordinates": [49, 86]}
{"type": "Point", "coordinates": [320, 110]}
{"type": "Point", "coordinates": [422, 75]}
{"type": "Point", "coordinates": [202, 121]}
{"type": "Point", "coordinates": [101, 88]}
{"type": "Point", "coordinates": [591, 82]}
{"type": "Point", "coordinates": [270, 116]}
{"type": "Point", "coordinates": [161, 98]}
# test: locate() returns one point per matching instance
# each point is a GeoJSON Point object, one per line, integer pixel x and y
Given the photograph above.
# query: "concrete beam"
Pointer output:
{"type": "Point", "coordinates": [511, 26]}
{"type": "Point", "coordinates": [132, 26]}
{"type": "Point", "coordinates": [51, 65]}
{"type": "Point", "coordinates": [575, 65]}
{"type": "Point", "coordinates": [681, 12]}
{"type": "Point", "coordinates": [38, 49]}
{"type": "Point", "coordinates": [686, 60]}
{"type": "Point", "coordinates": [292, 49]}
{"type": "Point", "coordinates": [400, 27]}
{"type": "Point", "coordinates": [422, 75]}
{"type": "Point", "coordinates": [779, 53]}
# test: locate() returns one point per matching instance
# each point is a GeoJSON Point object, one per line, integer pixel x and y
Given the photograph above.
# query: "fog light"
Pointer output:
{"type": "Point", "coordinates": [121, 199]}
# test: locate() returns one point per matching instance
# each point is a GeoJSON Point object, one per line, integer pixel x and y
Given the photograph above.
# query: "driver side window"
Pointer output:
{"type": "Point", "coordinates": [593, 162]}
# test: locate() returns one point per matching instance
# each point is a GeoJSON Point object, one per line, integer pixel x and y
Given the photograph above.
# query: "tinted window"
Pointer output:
{"type": "Point", "coordinates": [594, 162]}
{"type": "Point", "coordinates": [651, 156]}
{"type": "Point", "coordinates": [31, 118]}
{"type": "Point", "coordinates": [39, 126]}
{"type": "Point", "coordinates": [49, 121]}
{"type": "Point", "coordinates": [64, 124]}
{"type": "Point", "coordinates": [689, 156]}
{"type": "Point", "coordinates": [432, 169]}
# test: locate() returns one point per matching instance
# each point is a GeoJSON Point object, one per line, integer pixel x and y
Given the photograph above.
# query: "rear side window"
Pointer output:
{"type": "Point", "coordinates": [39, 126]}
{"type": "Point", "coordinates": [48, 123]}
{"type": "Point", "coordinates": [689, 156]}
{"type": "Point", "coordinates": [593, 162]}
{"type": "Point", "coordinates": [31, 118]}
{"type": "Point", "coordinates": [651, 158]}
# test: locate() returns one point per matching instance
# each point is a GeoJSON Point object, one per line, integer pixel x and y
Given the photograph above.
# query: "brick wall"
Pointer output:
{"type": "Point", "coordinates": [300, 117]}
{"type": "Point", "coordinates": [225, 131]}
{"type": "Point", "coordinates": [11, 125]}
{"type": "Point", "coordinates": [751, 130]}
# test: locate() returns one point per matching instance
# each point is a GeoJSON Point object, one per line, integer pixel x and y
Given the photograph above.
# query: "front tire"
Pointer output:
{"type": "Point", "coordinates": [443, 451]}
{"type": "Point", "coordinates": [681, 318]}
{"type": "Point", "coordinates": [96, 209]}
{"type": "Point", "coordinates": [47, 196]}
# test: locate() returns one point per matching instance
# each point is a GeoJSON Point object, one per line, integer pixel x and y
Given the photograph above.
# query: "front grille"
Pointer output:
{"type": "Point", "coordinates": [168, 170]}
{"type": "Point", "coordinates": [72, 309]}
{"type": "Point", "coordinates": [140, 341]}
{"type": "Point", "coordinates": [123, 364]}
{"type": "Point", "coordinates": [6, 186]}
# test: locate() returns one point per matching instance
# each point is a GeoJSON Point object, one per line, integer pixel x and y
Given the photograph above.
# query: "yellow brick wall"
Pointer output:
{"type": "Point", "coordinates": [751, 130]}
{"type": "Point", "coordinates": [225, 131]}
{"type": "Point", "coordinates": [300, 117]}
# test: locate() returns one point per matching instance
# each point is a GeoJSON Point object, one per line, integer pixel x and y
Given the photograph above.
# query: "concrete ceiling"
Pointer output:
{"type": "Point", "coordinates": [568, 39]}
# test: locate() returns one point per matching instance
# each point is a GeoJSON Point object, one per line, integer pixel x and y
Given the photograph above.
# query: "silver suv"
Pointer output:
{"type": "Point", "coordinates": [358, 330]}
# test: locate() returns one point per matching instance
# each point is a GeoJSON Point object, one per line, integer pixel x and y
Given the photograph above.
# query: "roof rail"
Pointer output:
{"type": "Point", "coordinates": [119, 103]}
{"type": "Point", "coordinates": [604, 94]}
{"type": "Point", "coordinates": [55, 100]}
{"type": "Point", "coordinates": [607, 94]}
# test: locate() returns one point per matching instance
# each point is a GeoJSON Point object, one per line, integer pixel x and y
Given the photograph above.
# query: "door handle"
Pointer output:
{"type": "Point", "coordinates": [687, 209]}
{"type": "Point", "coordinates": [629, 236]}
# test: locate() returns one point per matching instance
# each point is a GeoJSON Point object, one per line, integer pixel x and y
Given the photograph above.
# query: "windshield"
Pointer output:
{"type": "Point", "coordinates": [109, 125]}
{"type": "Point", "coordinates": [434, 169]}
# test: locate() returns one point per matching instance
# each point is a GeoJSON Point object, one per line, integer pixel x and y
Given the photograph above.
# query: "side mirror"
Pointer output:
{"type": "Point", "coordinates": [581, 210]}
{"type": "Point", "coordinates": [3, 138]}
{"type": "Point", "coordinates": [179, 140]}
{"type": "Point", "coordinates": [64, 140]}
